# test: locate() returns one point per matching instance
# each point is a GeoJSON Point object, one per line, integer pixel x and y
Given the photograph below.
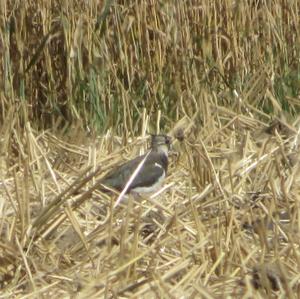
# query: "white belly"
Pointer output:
{"type": "Point", "coordinates": [152, 188]}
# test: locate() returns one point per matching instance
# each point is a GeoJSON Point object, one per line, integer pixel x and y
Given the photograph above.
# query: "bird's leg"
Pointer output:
{"type": "Point", "coordinates": [137, 196]}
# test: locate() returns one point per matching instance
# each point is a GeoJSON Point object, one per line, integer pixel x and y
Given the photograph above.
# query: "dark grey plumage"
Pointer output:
{"type": "Point", "coordinates": [150, 175]}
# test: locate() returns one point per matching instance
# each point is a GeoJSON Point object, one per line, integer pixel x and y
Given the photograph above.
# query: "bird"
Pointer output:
{"type": "Point", "coordinates": [151, 174]}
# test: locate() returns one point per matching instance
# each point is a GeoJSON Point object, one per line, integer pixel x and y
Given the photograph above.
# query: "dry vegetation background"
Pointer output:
{"type": "Point", "coordinates": [83, 82]}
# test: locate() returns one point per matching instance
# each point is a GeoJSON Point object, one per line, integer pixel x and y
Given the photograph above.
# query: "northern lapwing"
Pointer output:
{"type": "Point", "coordinates": [153, 170]}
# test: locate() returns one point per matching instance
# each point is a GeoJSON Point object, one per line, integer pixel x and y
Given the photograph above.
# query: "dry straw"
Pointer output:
{"type": "Point", "coordinates": [225, 222]}
{"type": "Point", "coordinates": [222, 76]}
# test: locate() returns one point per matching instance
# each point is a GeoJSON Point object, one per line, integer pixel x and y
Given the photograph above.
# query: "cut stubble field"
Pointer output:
{"type": "Point", "coordinates": [84, 83]}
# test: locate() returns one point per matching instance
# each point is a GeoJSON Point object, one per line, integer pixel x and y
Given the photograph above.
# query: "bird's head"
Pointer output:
{"type": "Point", "coordinates": [161, 142]}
